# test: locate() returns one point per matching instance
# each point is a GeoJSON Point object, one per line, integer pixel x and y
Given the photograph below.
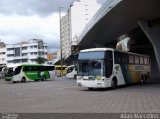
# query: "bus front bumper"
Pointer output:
{"type": "Point", "coordinates": [94, 84]}
{"type": "Point", "coordinates": [8, 78]}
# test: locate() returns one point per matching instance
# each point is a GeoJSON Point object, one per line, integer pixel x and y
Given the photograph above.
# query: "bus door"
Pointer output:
{"type": "Point", "coordinates": [17, 73]}
{"type": "Point", "coordinates": [108, 64]}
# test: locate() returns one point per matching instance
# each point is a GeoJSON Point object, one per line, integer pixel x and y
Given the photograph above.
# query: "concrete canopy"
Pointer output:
{"type": "Point", "coordinates": [112, 21]}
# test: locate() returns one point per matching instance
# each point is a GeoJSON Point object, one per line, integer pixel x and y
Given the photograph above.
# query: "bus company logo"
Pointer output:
{"type": "Point", "coordinates": [41, 73]}
{"type": "Point", "coordinates": [117, 68]}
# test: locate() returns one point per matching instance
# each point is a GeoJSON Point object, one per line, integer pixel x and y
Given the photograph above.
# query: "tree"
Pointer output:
{"type": "Point", "coordinates": [40, 60]}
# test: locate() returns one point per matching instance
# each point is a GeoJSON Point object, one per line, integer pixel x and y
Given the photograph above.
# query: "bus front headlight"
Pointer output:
{"type": "Point", "coordinates": [100, 78]}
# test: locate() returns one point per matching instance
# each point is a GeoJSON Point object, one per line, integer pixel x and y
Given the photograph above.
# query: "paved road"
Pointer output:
{"type": "Point", "coordinates": [62, 95]}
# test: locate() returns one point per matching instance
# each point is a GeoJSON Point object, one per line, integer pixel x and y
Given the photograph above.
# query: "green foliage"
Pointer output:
{"type": "Point", "coordinates": [40, 60]}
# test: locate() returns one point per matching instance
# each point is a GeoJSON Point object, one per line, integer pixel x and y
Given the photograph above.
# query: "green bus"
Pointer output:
{"type": "Point", "coordinates": [8, 71]}
{"type": "Point", "coordinates": [33, 72]}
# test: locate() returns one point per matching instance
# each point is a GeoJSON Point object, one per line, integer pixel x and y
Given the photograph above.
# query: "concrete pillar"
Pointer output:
{"type": "Point", "coordinates": [152, 31]}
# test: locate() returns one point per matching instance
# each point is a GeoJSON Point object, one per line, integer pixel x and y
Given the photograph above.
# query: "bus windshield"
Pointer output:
{"type": "Point", "coordinates": [8, 72]}
{"type": "Point", "coordinates": [91, 67]}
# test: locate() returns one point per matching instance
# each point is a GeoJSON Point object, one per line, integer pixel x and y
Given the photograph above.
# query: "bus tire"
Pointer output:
{"type": "Point", "coordinates": [114, 83]}
{"type": "Point", "coordinates": [75, 76]}
{"type": "Point", "coordinates": [14, 81]}
{"type": "Point", "coordinates": [23, 80]}
{"type": "Point", "coordinates": [145, 78]}
{"type": "Point", "coordinates": [142, 79]}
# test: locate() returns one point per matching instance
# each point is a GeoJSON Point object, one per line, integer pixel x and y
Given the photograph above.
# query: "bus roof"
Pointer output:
{"type": "Point", "coordinates": [60, 65]}
{"type": "Point", "coordinates": [96, 49]}
{"type": "Point", "coordinates": [31, 65]}
{"type": "Point", "coordinates": [71, 66]}
{"type": "Point", "coordinates": [13, 65]}
{"type": "Point", "coordinates": [111, 49]}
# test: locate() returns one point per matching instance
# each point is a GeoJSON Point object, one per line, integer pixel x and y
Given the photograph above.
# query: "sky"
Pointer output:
{"type": "Point", "coordinates": [22, 20]}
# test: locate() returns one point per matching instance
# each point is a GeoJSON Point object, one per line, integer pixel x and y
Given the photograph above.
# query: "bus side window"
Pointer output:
{"type": "Point", "coordinates": [26, 68]}
{"type": "Point", "coordinates": [50, 68]}
{"type": "Point", "coordinates": [117, 57]}
{"type": "Point", "coordinates": [146, 60]}
{"type": "Point", "coordinates": [131, 59]}
{"type": "Point", "coordinates": [136, 59]}
{"type": "Point", "coordinates": [141, 60]}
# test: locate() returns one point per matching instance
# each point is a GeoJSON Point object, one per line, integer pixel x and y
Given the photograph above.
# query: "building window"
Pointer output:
{"type": "Point", "coordinates": [35, 46]}
{"type": "Point", "coordinates": [24, 54]}
{"type": "Point", "coordinates": [17, 52]}
{"type": "Point", "coordinates": [24, 60]}
{"type": "Point", "coordinates": [8, 49]}
{"type": "Point", "coordinates": [35, 53]}
{"type": "Point", "coordinates": [33, 60]}
{"type": "Point", "coordinates": [10, 61]}
{"type": "Point", "coordinates": [10, 55]}
{"type": "Point", "coordinates": [31, 53]}
{"type": "Point", "coordinates": [24, 48]}
{"type": "Point", "coordinates": [17, 61]}
{"type": "Point", "coordinates": [31, 46]}
{"type": "Point", "coordinates": [40, 53]}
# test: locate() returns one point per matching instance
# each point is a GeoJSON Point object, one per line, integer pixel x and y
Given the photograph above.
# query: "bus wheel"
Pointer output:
{"type": "Point", "coordinates": [75, 76]}
{"type": "Point", "coordinates": [142, 79]}
{"type": "Point", "coordinates": [14, 82]}
{"type": "Point", "coordinates": [113, 83]}
{"type": "Point", "coordinates": [145, 78]}
{"type": "Point", "coordinates": [23, 80]}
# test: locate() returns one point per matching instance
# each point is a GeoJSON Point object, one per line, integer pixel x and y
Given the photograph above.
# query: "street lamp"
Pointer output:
{"type": "Point", "coordinates": [60, 39]}
{"type": "Point", "coordinates": [61, 36]}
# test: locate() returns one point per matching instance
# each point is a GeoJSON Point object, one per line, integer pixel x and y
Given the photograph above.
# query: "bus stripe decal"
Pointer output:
{"type": "Point", "coordinates": [126, 74]}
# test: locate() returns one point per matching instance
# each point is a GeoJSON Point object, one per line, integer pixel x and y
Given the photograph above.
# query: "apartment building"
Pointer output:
{"type": "Point", "coordinates": [25, 52]}
{"type": "Point", "coordinates": [2, 54]}
{"type": "Point", "coordinates": [75, 20]}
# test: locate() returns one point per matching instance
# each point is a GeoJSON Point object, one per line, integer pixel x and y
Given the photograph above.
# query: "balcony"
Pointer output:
{"type": "Point", "coordinates": [10, 52]}
{"type": "Point", "coordinates": [20, 57]}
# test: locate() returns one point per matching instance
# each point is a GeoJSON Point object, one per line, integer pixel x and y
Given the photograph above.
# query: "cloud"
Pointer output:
{"type": "Point", "coordinates": [19, 28]}
{"type": "Point", "coordinates": [32, 7]}
{"type": "Point", "coordinates": [27, 19]}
